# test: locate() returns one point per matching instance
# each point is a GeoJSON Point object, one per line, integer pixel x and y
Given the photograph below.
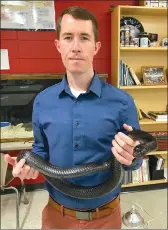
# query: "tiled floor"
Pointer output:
{"type": "Point", "coordinates": [153, 202]}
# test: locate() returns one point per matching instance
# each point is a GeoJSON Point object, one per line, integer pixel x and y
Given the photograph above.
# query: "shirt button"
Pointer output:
{"type": "Point", "coordinates": [76, 123]}
{"type": "Point", "coordinates": [76, 146]}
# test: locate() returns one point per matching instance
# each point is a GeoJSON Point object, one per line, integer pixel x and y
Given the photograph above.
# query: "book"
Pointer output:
{"type": "Point", "coordinates": [134, 76]}
{"type": "Point", "coordinates": [131, 79]}
{"type": "Point", "coordinates": [144, 115]}
{"type": "Point", "coordinates": [125, 178]}
{"type": "Point", "coordinates": [165, 173]}
{"type": "Point", "coordinates": [160, 162]}
{"type": "Point", "coordinates": [158, 119]}
{"type": "Point", "coordinates": [145, 169]}
{"type": "Point", "coordinates": [159, 133]}
{"type": "Point", "coordinates": [136, 176]}
{"type": "Point", "coordinates": [158, 114]}
{"type": "Point", "coordinates": [124, 75]}
{"type": "Point", "coordinates": [121, 72]}
{"type": "Point", "coordinates": [138, 111]}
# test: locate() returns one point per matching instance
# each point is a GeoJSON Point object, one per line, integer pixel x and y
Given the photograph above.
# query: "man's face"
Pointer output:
{"type": "Point", "coordinates": [77, 44]}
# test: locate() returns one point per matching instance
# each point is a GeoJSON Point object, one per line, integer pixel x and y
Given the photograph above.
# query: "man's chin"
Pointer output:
{"type": "Point", "coordinates": [75, 70]}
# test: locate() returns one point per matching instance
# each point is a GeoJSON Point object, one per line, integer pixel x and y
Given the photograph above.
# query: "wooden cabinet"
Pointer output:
{"type": "Point", "coordinates": [154, 20]}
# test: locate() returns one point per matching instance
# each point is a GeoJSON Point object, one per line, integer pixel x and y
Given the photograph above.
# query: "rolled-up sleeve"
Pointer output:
{"type": "Point", "coordinates": [130, 117]}
{"type": "Point", "coordinates": [40, 145]}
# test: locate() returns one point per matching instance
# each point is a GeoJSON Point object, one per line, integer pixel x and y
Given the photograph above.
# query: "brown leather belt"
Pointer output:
{"type": "Point", "coordinates": [86, 215]}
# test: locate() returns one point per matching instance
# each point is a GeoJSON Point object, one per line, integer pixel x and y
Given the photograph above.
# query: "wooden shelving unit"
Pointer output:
{"type": "Point", "coordinates": [145, 11]}
{"type": "Point", "coordinates": [149, 49]}
{"type": "Point", "coordinates": [145, 183]}
{"type": "Point", "coordinates": [150, 122]}
{"type": "Point", "coordinates": [158, 153]}
{"type": "Point", "coordinates": [150, 97]}
{"type": "Point", "coordinates": [152, 126]}
{"type": "Point", "coordinates": [144, 87]}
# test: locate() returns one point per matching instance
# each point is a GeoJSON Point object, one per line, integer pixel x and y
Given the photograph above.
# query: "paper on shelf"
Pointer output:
{"type": "Point", "coordinates": [4, 59]}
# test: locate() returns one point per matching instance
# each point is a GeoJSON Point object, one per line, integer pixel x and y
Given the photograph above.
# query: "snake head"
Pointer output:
{"type": "Point", "coordinates": [148, 143]}
{"type": "Point", "coordinates": [140, 150]}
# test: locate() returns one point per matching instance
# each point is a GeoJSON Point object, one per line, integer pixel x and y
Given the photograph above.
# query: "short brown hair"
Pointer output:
{"type": "Point", "coordinates": [78, 12]}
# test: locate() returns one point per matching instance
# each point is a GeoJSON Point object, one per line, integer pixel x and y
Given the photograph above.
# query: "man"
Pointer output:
{"type": "Point", "coordinates": [80, 120]}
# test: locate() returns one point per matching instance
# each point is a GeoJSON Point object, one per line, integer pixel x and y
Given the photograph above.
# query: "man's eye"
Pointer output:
{"type": "Point", "coordinates": [67, 38]}
{"type": "Point", "coordinates": [84, 38]}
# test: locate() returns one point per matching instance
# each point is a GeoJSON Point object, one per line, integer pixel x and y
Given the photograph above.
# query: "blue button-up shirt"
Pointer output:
{"type": "Point", "coordinates": [71, 131]}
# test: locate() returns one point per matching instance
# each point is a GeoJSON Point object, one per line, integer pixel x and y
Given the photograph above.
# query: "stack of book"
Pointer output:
{"type": "Point", "coordinates": [127, 178]}
{"type": "Point", "coordinates": [152, 169]}
{"type": "Point", "coordinates": [140, 175]}
{"type": "Point", "coordinates": [154, 115]}
{"type": "Point", "coordinates": [127, 75]}
{"type": "Point", "coordinates": [158, 115]}
{"type": "Point", "coordinates": [161, 137]}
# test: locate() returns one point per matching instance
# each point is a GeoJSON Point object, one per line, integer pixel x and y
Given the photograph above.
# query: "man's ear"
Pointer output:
{"type": "Point", "coordinates": [97, 47]}
{"type": "Point", "coordinates": [57, 44]}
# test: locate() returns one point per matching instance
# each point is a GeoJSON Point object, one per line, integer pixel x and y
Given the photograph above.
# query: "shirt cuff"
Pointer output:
{"type": "Point", "coordinates": [136, 164]}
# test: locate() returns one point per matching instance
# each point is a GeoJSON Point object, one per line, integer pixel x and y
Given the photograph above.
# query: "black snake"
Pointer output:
{"type": "Point", "coordinates": [56, 176]}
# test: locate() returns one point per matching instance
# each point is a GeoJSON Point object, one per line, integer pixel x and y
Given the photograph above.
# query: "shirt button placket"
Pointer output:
{"type": "Point", "coordinates": [77, 144]}
{"type": "Point", "coordinates": [76, 123]}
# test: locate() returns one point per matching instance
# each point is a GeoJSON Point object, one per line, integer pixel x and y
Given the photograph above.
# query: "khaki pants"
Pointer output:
{"type": "Point", "coordinates": [53, 219]}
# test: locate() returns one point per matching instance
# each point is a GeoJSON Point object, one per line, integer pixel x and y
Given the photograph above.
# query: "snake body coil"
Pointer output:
{"type": "Point", "coordinates": [56, 175]}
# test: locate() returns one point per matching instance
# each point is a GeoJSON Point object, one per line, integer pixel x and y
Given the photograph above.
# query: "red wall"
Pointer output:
{"type": "Point", "coordinates": [34, 52]}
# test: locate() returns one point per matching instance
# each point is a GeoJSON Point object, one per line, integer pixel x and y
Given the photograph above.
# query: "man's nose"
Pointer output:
{"type": "Point", "coordinates": [76, 48]}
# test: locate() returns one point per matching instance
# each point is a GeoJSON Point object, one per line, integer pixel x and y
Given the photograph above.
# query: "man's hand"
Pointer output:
{"type": "Point", "coordinates": [123, 147]}
{"type": "Point", "coordinates": [20, 169]}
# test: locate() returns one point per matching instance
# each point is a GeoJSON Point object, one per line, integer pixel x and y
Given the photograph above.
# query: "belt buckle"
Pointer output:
{"type": "Point", "coordinates": [83, 215]}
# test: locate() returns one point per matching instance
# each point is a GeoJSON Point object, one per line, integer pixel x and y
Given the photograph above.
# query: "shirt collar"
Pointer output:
{"type": "Point", "coordinates": [95, 85]}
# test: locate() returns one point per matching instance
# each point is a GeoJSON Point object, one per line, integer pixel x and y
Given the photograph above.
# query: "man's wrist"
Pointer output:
{"type": "Point", "coordinates": [136, 163]}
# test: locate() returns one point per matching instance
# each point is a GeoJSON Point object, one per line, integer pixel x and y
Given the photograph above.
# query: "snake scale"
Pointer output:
{"type": "Point", "coordinates": [57, 176]}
